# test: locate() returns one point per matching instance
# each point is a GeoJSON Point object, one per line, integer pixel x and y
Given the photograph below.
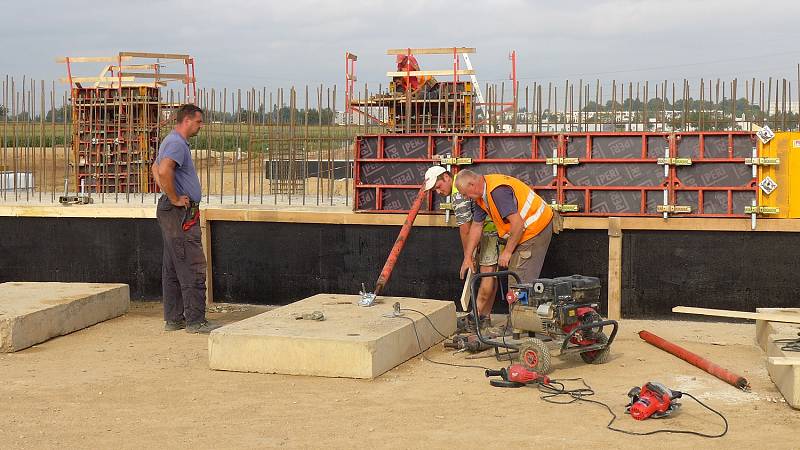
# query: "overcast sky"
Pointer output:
{"type": "Point", "coordinates": [241, 43]}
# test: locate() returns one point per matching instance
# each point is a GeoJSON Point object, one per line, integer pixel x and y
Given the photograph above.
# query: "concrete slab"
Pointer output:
{"type": "Point", "coordinates": [31, 313]}
{"type": "Point", "coordinates": [352, 341]}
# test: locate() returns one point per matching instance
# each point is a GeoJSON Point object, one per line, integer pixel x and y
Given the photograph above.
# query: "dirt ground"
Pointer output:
{"type": "Point", "coordinates": [125, 383]}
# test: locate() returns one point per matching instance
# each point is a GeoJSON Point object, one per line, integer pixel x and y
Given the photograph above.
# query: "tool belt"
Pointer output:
{"type": "Point", "coordinates": [191, 216]}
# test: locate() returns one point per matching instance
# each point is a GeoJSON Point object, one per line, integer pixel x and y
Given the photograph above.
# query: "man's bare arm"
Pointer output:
{"type": "Point", "coordinates": [164, 173]}
{"type": "Point", "coordinates": [463, 231]}
{"type": "Point", "coordinates": [514, 236]}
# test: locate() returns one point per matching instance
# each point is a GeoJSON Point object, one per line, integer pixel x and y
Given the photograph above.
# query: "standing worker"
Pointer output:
{"type": "Point", "coordinates": [443, 183]}
{"type": "Point", "coordinates": [522, 218]}
{"type": "Point", "coordinates": [183, 274]}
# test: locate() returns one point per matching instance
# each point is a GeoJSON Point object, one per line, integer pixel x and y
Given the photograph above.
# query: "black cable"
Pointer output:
{"type": "Point", "coordinates": [556, 389]}
{"type": "Point", "coordinates": [427, 318]}
{"type": "Point", "coordinates": [419, 342]}
{"type": "Point", "coordinates": [790, 345]}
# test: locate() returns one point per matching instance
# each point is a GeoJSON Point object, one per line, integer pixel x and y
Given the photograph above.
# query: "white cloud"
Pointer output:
{"type": "Point", "coordinates": [243, 43]}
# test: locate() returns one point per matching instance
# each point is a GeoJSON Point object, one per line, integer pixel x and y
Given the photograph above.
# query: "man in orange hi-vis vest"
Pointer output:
{"type": "Point", "coordinates": [522, 218]}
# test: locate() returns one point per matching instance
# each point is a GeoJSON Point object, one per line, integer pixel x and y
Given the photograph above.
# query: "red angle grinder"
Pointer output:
{"type": "Point", "coordinates": [652, 400]}
{"type": "Point", "coordinates": [516, 375]}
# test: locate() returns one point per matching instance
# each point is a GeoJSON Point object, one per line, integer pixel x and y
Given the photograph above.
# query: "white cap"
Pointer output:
{"type": "Point", "coordinates": [431, 175]}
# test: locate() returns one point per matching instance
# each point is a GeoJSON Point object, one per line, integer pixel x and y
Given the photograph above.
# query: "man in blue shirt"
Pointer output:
{"type": "Point", "coordinates": [183, 275]}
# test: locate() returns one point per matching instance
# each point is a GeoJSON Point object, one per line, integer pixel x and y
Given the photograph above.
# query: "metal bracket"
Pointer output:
{"type": "Point", "coordinates": [562, 161]}
{"type": "Point", "coordinates": [762, 161]}
{"type": "Point", "coordinates": [762, 210]}
{"type": "Point", "coordinates": [454, 161]}
{"type": "Point", "coordinates": [446, 206]}
{"type": "Point", "coordinates": [564, 207]}
{"type": "Point", "coordinates": [675, 161]}
{"type": "Point", "coordinates": [674, 209]}
{"type": "Point", "coordinates": [75, 200]}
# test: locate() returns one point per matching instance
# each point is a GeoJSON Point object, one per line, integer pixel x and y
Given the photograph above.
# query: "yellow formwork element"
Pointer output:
{"type": "Point", "coordinates": [785, 146]}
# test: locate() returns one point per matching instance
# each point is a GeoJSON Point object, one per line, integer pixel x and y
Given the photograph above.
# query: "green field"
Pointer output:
{"type": "Point", "coordinates": [219, 137]}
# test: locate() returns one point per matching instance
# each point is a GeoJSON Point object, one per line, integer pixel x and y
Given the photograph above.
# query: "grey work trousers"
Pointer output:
{"type": "Point", "coordinates": [183, 272]}
{"type": "Point", "coordinates": [528, 258]}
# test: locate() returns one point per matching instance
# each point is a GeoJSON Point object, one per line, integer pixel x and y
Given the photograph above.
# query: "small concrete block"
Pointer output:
{"type": "Point", "coordinates": [353, 341]}
{"type": "Point", "coordinates": [31, 313]}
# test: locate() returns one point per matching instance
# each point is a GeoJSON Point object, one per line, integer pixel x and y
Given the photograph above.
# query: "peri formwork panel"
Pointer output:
{"type": "Point", "coordinates": [591, 174]}
{"type": "Point", "coordinates": [716, 182]}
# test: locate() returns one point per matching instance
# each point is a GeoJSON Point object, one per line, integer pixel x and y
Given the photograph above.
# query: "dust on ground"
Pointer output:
{"type": "Point", "coordinates": [125, 383]}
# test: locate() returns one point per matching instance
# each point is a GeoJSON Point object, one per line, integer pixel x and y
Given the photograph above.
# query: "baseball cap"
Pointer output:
{"type": "Point", "coordinates": [431, 175]}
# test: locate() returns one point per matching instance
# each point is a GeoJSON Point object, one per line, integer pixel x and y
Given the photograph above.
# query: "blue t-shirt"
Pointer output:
{"type": "Point", "coordinates": [176, 148]}
{"type": "Point", "coordinates": [504, 200]}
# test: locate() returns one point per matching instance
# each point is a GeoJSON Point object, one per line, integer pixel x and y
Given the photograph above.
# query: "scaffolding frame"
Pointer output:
{"type": "Point", "coordinates": [117, 117]}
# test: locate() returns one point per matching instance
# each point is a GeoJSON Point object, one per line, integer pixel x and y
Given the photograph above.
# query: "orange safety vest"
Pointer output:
{"type": "Point", "coordinates": [535, 213]}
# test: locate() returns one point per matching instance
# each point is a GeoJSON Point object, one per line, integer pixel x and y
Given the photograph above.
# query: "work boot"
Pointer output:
{"type": "Point", "coordinates": [170, 325]}
{"type": "Point", "coordinates": [467, 323]}
{"type": "Point", "coordinates": [203, 327]}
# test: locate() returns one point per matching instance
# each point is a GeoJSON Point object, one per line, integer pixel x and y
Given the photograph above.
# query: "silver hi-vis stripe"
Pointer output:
{"type": "Point", "coordinates": [528, 202]}
{"type": "Point", "coordinates": [536, 216]}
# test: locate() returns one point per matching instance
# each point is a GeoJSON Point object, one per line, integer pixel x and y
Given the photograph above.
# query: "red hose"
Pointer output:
{"type": "Point", "coordinates": [399, 242]}
{"type": "Point", "coordinates": [696, 360]}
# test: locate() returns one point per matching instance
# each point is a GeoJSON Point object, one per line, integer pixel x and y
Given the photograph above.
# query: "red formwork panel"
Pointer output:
{"type": "Point", "coordinates": [590, 174]}
{"type": "Point", "coordinates": [616, 173]}
{"type": "Point", "coordinates": [718, 182]}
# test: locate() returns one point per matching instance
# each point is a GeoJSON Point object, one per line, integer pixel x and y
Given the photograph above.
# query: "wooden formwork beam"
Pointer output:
{"type": "Point", "coordinates": [154, 55]}
{"type": "Point", "coordinates": [614, 269]}
{"type": "Point", "coordinates": [102, 59]}
{"type": "Point", "coordinates": [430, 51]}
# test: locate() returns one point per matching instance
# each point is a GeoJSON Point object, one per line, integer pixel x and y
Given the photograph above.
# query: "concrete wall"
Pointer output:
{"type": "Point", "coordinates": [277, 263]}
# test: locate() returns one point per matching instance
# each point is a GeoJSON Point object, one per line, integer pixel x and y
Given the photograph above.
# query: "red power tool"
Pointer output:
{"type": "Point", "coordinates": [652, 400]}
{"type": "Point", "coordinates": [516, 375]}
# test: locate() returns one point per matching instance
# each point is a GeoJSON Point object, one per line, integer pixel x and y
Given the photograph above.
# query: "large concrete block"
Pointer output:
{"type": "Point", "coordinates": [785, 376]}
{"type": "Point", "coordinates": [31, 313]}
{"type": "Point", "coordinates": [352, 341]}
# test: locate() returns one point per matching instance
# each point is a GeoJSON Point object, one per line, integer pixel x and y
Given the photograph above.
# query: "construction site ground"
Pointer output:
{"type": "Point", "coordinates": [126, 383]}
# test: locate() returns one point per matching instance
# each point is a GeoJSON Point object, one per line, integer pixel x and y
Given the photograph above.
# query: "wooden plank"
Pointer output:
{"type": "Point", "coordinates": [155, 55]}
{"type": "Point", "coordinates": [89, 211]}
{"type": "Point", "coordinates": [163, 76]}
{"type": "Point", "coordinates": [708, 224]}
{"type": "Point", "coordinates": [103, 59]}
{"type": "Point", "coordinates": [432, 73]}
{"type": "Point", "coordinates": [585, 223]}
{"type": "Point", "coordinates": [784, 360]}
{"type": "Point", "coordinates": [430, 51]}
{"type": "Point", "coordinates": [325, 217]}
{"type": "Point", "coordinates": [205, 237]}
{"type": "Point", "coordinates": [347, 216]}
{"type": "Point", "coordinates": [108, 79]}
{"type": "Point", "coordinates": [614, 269]}
{"type": "Point", "coordinates": [772, 317]}
{"type": "Point", "coordinates": [465, 291]}
{"type": "Point", "coordinates": [135, 67]}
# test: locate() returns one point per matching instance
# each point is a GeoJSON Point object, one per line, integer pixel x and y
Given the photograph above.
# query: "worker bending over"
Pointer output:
{"type": "Point", "coordinates": [521, 216]}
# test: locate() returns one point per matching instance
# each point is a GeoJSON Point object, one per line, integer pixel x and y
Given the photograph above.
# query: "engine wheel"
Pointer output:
{"type": "Point", "coordinates": [597, 356]}
{"type": "Point", "coordinates": [535, 356]}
